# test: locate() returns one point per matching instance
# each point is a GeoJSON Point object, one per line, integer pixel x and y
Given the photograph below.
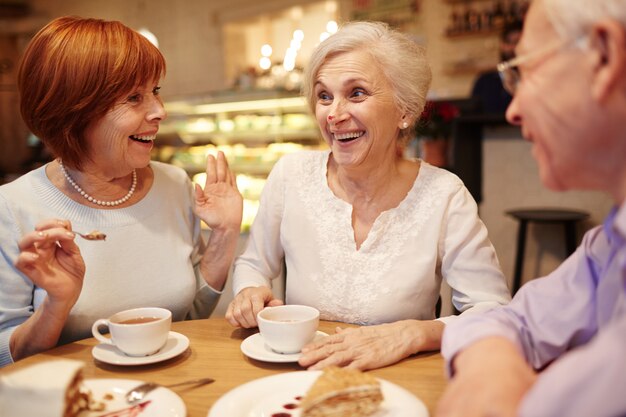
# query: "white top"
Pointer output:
{"type": "Point", "coordinates": [150, 257]}
{"type": "Point", "coordinates": [433, 234]}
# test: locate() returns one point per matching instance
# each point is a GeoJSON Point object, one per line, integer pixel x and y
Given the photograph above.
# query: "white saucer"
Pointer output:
{"type": "Point", "coordinates": [175, 345]}
{"type": "Point", "coordinates": [254, 347]}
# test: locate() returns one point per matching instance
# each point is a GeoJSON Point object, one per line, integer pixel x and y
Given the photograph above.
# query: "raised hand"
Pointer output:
{"type": "Point", "coordinates": [219, 204]}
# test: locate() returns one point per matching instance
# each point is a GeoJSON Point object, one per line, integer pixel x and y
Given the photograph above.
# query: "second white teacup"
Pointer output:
{"type": "Point", "coordinates": [286, 329]}
{"type": "Point", "coordinates": [136, 332]}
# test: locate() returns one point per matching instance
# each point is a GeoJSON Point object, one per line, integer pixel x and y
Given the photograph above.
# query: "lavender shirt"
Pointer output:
{"type": "Point", "coordinates": [573, 320]}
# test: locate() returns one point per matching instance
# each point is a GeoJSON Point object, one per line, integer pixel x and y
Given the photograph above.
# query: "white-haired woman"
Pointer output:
{"type": "Point", "coordinates": [366, 235]}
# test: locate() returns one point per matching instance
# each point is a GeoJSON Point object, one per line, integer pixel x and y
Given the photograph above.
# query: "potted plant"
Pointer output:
{"type": "Point", "coordinates": [434, 129]}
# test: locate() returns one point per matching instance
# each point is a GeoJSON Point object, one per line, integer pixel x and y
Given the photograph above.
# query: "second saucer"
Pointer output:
{"type": "Point", "coordinates": [254, 347]}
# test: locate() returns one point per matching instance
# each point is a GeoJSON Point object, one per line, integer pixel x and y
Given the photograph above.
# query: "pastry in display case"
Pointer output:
{"type": "Point", "coordinates": [252, 129]}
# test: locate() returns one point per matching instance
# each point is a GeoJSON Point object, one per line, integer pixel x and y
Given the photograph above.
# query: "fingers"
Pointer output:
{"type": "Point", "coordinates": [26, 262]}
{"type": "Point", "coordinates": [331, 354]}
{"type": "Point", "coordinates": [211, 170]}
{"type": "Point", "coordinates": [217, 170]}
{"type": "Point", "coordinates": [53, 223]}
{"type": "Point", "coordinates": [232, 179]}
{"type": "Point", "coordinates": [230, 315]}
{"type": "Point", "coordinates": [45, 238]}
{"type": "Point", "coordinates": [200, 197]}
{"type": "Point", "coordinates": [243, 309]}
{"type": "Point", "coordinates": [27, 242]}
{"type": "Point", "coordinates": [240, 314]}
{"type": "Point", "coordinates": [359, 348]}
{"type": "Point", "coordinates": [330, 350]}
{"type": "Point", "coordinates": [322, 342]}
{"type": "Point", "coordinates": [39, 246]}
{"type": "Point", "coordinates": [222, 168]}
{"type": "Point", "coordinates": [275, 302]}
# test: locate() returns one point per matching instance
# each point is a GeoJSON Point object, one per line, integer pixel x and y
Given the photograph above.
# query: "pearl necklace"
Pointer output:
{"type": "Point", "coordinates": [93, 200]}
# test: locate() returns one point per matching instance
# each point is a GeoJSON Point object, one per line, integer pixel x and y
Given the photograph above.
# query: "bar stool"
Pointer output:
{"type": "Point", "coordinates": [568, 218]}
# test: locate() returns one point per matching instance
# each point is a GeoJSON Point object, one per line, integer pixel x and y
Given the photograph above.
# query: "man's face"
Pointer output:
{"type": "Point", "coordinates": [553, 105]}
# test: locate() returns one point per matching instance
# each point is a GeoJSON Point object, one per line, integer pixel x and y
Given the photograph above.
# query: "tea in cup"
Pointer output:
{"type": "Point", "coordinates": [136, 332]}
{"type": "Point", "coordinates": [286, 329]}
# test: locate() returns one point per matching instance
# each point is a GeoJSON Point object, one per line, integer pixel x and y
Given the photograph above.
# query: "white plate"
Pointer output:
{"type": "Point", "coordinates": [254, 347]}
{"type": "Point", "coordinates": [175, 345]}
{"type": "Point", "coordinates": [163, 402]}
{"type": "Point", "coordinates": [266, 396]}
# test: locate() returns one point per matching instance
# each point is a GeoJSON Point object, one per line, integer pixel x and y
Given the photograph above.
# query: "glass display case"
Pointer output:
{"type": "Point", "coordinates": [253, 129]}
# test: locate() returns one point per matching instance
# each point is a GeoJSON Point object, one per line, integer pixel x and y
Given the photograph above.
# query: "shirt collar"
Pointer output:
{"type": "Point", "coordinates": [615, 224]}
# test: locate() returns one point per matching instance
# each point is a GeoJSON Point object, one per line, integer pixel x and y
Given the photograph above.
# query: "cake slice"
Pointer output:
{"type": "Point", "coordinates": [341, 392]}
{"type": "Point", "coordinates": [47, 389]}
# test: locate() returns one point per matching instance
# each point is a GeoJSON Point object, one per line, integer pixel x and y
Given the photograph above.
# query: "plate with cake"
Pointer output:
{"type": "Point", "coordinates": [161, 402]}
{"type": "Point", "coordinates": [57, 389]}
{"type": "Point", "coordinates": [336, 392]}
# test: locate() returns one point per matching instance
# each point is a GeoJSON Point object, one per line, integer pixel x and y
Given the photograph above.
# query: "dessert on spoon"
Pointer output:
{"type": "Point", "coordinates": [93, 235]}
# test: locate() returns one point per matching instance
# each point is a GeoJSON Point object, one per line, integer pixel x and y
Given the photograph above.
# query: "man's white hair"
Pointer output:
{"type": "Point", "coordinates": [573, 18]}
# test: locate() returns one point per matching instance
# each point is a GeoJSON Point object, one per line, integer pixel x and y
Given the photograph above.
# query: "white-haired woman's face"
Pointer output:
{"type": "Point", "coordinates": [355, 109]}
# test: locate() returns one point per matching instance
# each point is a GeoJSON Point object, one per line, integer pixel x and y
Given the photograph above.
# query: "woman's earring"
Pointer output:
{"type": "Point", "coordinates": [405, 125]}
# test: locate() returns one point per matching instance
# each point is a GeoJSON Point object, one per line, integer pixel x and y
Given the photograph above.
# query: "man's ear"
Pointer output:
{"type": "Point", "coordinates": [608, 41]}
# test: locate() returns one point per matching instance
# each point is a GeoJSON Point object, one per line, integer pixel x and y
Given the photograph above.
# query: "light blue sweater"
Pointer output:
{"type": "Point", "coordinates": [150, 256]}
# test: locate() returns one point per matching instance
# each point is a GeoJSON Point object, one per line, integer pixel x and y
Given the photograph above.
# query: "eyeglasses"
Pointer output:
{"type": "Point", "coordinates": [509, 70]}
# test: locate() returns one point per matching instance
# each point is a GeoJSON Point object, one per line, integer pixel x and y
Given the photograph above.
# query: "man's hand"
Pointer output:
{"type": "Point", "coordinates": [491, 378]}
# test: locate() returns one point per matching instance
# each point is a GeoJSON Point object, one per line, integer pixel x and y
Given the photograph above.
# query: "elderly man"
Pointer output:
{"type": "Point", "coordinates": [559, 348]}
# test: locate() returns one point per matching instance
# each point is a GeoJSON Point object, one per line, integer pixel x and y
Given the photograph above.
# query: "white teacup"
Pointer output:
{"type": "Point", "coordinates": [136, 332]}
{"type": "Point", "coordinates": [286, 329]}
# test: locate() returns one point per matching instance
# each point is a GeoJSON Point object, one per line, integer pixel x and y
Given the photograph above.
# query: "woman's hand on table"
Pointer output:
{"type": "Point", "coordinates": [372, 347]}
{"type": "Point", "coordinates": [50, 258]}
{"type": "Point", "coordinates": [491, 378]}
{"type": "Point", "coordinates": [219, 204]}
{"type": "Point", "coordinates": [248, 302]}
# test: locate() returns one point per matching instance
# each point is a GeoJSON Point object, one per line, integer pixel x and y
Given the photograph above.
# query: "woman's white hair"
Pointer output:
{"type": "Point", "coordinates": [573, 18]}
{"type": "Point", "coordinates": [402, 60]}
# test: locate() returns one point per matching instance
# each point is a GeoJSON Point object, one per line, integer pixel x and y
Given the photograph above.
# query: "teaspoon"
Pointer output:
{"type": "Point", "coordinates": [93, 235]}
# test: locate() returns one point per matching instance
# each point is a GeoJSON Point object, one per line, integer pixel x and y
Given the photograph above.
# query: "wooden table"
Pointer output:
{"type": "Point", "coordinates": [215, 352]}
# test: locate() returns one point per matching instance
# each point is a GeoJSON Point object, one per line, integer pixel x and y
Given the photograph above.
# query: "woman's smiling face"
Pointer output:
{"type": "Point", "coordinates": [355, 109]}
{"type": "Point", "coordinates": [123, 138]}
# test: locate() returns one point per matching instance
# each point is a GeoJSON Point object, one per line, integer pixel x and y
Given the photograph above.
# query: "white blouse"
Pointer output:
{"type": "Point", "coordinates": [433, 234]}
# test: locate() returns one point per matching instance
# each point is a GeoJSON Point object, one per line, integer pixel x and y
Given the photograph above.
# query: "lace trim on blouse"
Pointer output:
{"type": "Point", "coordinates": [351, 280]}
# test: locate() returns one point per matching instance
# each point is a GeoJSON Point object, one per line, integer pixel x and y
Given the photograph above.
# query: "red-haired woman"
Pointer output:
{"type": "Point", "coordinates": [90, 91]}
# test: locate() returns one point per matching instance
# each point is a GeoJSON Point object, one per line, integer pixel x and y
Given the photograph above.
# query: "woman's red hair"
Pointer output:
{"type": "Point", "coordinates": [73, 72]}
